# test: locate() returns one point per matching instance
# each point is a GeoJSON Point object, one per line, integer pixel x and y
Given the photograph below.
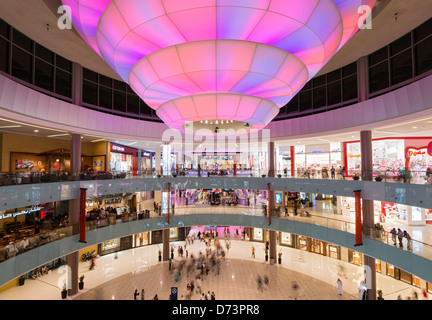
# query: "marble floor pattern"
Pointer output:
{"type": "Point", "coordinates": [116, 277]}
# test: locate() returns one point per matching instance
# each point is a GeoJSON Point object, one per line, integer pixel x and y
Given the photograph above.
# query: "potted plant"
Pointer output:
{"type": "Point", "coordinates": [64, 292]}
{"type": "Point", "coordinates": [280, 257]}
{"type": "Point", "coordinates": [263, 175]}
{"type": "Point", "coordinates": [378, 178]}
{"type": "Point", "coordinates": [21, 280]}
{"type": "Point", "coordinates": [279, 175]}
{"type": "Point", "coordinates": [81, 283]}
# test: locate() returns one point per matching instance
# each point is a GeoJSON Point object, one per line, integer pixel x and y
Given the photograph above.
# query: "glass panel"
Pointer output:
{"type": "Point", "coordinates": [400, 44]}
{"type": "Point", "coordinates": [378, 77]}
{"type": "Point", "coordinates": [105, 81]}
{"type": "Point", "coordinates": [44, 54]}
{"type": "Point", "coordinates": [307, 86]}
{"type": "Point", "coordinates": [334, 93]}
{"type": "Point", "coordinates": [133, 103]}
{"type": "Point", "coordinates": [121, 86]}
{"type": "Point", "coordinates": [4, 29]}
{"type": "Point", "coordinates": [63, 63]}
{"type": "Point", "coordinates": [145, 109]}
{"type": "Point", "coordinates": [44, 75]}
{"type": "Point", "coordinates": [423, 31]}
{"type": "Point", "coordinates": [90, 92]}
{"type": "Point", "coordinates": [378, 56]}
{"type": "Point", "coordinates": [319, 81]}
{"type": "Point", "coordinates": [130, 90]}
{"type": "Point", "coordinates": [333, 76]}
{"type": "Point", "coordinates": [305, 100]}
{"type": "Point", "coordinates": [319, 97]}
{"type": "Point", "coordinates": [22, 41]}
{"type": "Point", "coordinates": [292, 106]}
{"type": "Point", "coordinates": [105, 97]}
{"type": "Point", "coordinates": [4, 55]}
{"type": "Point", "coordinates": [119, 101]}
{"type": "Point", "coordinates": [349, 88]}
{"type": "Point", "coordinates": [22, 64]}
{"type": "Point", "coordinates": [423, 56]}
{"type": "Point", "coordinates": [63, 83]}
{"type": "Point", "coordinates": [349, 69]}
{"type": "Point", "coordinates": [90, 75]}
{"type": "Point", "coordinates": [401, 67]}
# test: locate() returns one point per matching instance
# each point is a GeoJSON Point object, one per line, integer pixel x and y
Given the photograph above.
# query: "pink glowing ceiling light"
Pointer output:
{"type": "Point", "coordinates": [174, 53]}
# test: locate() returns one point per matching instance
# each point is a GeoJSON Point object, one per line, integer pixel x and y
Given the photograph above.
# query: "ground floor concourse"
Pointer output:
{"type": "Point", "coordinates": [117, 275]}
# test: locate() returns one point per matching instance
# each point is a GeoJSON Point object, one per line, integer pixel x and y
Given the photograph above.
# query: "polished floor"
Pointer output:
{"type": "Point", "coordinates": [116, 277]}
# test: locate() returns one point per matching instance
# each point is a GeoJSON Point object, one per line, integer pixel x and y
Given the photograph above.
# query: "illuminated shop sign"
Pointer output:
{"type": "Point", "coordinates": [353, 155]}
{"type": "Point", "coordinates": [118, 148]}
{"type": "Point", "coordinates": [14, 214]}
{"type": "Point", "coordinates": [317, 151]}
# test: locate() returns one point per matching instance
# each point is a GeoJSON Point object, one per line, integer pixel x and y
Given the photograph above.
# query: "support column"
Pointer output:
{"type": "Point", "coordinates": [158, 160]}
{"type": "Point", "coordinates": [139, 162]}
{"type": "Point", "coordinates": [74, 212]}
{"type": "Point", "coordinates": [273, 245]}
{"type": "Point", "coordinates": [271, 169]}
{"type": "Point", "coordinates": [368, 211]}
{"type": "Point", "coordinates": [166, 244]}
{"type": "Point", "coordinates": [362, 78]}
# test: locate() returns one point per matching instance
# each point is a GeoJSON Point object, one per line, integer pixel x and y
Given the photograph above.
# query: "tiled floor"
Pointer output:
{"type": "Point", "coordinates": [116, 276]}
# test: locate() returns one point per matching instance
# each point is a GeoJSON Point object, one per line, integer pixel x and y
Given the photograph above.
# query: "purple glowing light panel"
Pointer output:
{"type": "Point", "coordinates": [197, 60]}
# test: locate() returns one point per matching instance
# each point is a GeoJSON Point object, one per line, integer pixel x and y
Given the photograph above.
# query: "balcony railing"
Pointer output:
{"type": "Point", "coordinates": [22, 244]}
{"type": "Point", "coordinates": [402, 176]}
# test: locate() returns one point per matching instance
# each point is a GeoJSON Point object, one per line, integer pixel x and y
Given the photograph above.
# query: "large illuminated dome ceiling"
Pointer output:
{"type": "Point", "coordinates": [213, 62]}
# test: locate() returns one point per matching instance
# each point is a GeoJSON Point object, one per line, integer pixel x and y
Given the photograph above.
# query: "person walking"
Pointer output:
{"type": "Point", "coordinates": [136, 293]}
{"type": "Point", "coordinates": [339, 284]}
{"type": "Point", "coordinates": [333, 172]}
{"type": "Point", "coordinates": [142, 294]}
{"type": "Point", "coordinates": [400, 235]}
{"type": "Point", "coordinates": [393, 233]}
{"type": "Point", "coordinates": [253, 252]}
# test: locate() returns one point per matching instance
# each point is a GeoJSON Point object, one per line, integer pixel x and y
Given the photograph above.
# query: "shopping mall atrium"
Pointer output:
{"type": "Point", "coordinates": [215, 149]}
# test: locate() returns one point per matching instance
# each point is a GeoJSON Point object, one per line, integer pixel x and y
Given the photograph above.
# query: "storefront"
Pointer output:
{"type": "Point", "coordinates": [287, 239]}
{"type": "Point", "coordinates": [315, 158]}
{"type": "Point", "coordinates": [146, 162]}
{"type": "Point", "coordinates": [391, 154]}
{"type": "Point", "coordinates": [385, 211]}
{"type": "Point", "coordinates": [123, 159]}
{"type": "Point", "coordinates": [216, 163]}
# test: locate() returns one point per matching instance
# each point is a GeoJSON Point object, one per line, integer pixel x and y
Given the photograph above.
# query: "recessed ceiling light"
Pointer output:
{"type": "Point", "coordinates": [36, 130]}
{"type": "Point", "coordinates": [414, 127]}
{"type": "Point", "coordinates": [58, 135]}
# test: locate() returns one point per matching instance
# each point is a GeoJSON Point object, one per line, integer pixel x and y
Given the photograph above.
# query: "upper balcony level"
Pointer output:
{"type": "Point", "coordinates": [391, 189]}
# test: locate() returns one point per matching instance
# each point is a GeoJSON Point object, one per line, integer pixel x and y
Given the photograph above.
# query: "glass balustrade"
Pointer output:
{"type": "Point", "coordinates": [11, 248]}
{"type": "Point", "coordinates": [403, 176]}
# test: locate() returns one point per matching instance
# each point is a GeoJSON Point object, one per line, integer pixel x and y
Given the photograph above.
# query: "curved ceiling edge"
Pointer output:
{"type": "Point", "coordinates": [20, 103]}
